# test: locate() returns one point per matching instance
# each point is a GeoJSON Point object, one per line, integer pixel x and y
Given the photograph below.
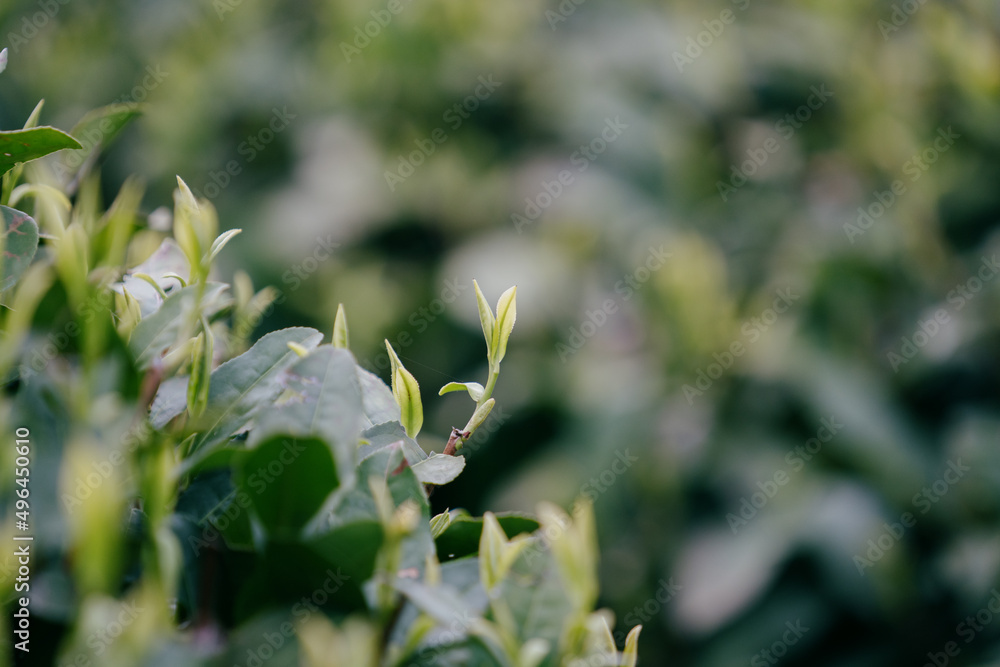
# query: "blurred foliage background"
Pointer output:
{"type": "Point", "coordinates": [713, 156]}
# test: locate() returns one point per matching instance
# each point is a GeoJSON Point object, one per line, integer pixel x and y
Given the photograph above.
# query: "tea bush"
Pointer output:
{"type": "Point", "coordinates": [198, 498]}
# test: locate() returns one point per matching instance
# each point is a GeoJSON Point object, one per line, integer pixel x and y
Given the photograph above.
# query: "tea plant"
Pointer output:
{"type": "Point", "coordinates": [198, 500]}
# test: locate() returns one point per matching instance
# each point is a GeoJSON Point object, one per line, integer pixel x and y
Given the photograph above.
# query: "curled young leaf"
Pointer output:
{"type": "Point", "coordinates": [201, 371]}
{"type": "Point", "coordinates": [220, 243]}
{"type": "Point", "coordinates": [480, 415]}
{"type": "Point", "coordinates": [631, 654]}
{"type": "Point", "coordinates": [486, 318]}
{"type": "Point", "coordinates": [407, 393]}
{"type": "Point", "coordinates": [440, 523]}
{"type": "Point", "coordinates": [506, 315]}
{"type": "Point", "coordinates": [341, 337]}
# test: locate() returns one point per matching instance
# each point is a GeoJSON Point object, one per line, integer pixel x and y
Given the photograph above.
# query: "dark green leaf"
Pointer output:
{"type": "Point", "coordinates": [287, 480]}
{"type": "Point", "coordinates": [26, 145]}
{"type": "Point", "coordinates": [461, 538]}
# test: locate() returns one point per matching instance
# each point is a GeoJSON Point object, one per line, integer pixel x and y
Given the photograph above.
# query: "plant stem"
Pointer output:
{"type": "Point", "coordinates": [488, 391]}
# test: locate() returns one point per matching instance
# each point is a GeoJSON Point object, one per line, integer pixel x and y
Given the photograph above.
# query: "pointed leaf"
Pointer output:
{"type": "Point", "coordinates": [631, 654]}
{"type": "Point", "coordinates": [25, 145]}
{"type": "Point", "coordinates": [341, 338]}
{"type": "Point", "coordinates": [201, 371]}
{"type": "Point", "coordinates": [486, 318]}
{"type": "Point", "coordinates": [411, 408]}
{"type": "Point", "coordinates": [220, 243]}
{"type": "Point", "coordinates": [506, 315]}
{"type": "Point", "coordinates": [20, 241]}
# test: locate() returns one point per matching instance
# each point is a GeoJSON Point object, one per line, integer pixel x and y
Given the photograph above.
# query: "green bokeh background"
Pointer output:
{"type": "Point", "coordinates": [596, 370]}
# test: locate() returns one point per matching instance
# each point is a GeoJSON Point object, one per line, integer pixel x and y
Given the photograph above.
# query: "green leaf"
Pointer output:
{"type": "Point", "coordinates": [25, 145]}
{"type": "Point", "coordinates": [411, 408]}
{"type": "Point", "coordinates": [34, 115]}
{"type": "Point", "coordinates": [242, 386]}
{"type": "Point", "coordinates": [220, 243]}
{"type": "Point", "coordinates": [387, 434]}
{"type": "Point", "coordinates": [480, 415]}
{"type": "Point", "coordinates": [407, 393]}
{"type": "Point", "coordinates": [631, 654]}
{"type": "Point", "coordinates": [486, 318]}
{"type": "Point", "coordinates": [535, 597]}
{"type": "Point", "coordinates": [440, 523]}
{"type": "Point", "coordinates": [287, 479]}
{"type": "Point", "coordinates": [341, 337]}
{"type": "Point", "coordinates": [358, 504]}
{"type": "Point", "coordinates": [506, 316]}
{"type": "Point", "coordinates": [461, 537]}
{"type": "Point", "coordinates": [496, 553]}
{"type": "Point", "coordinates": [20, 241]}
{"type": "Point", "coordinates": [160, 331]}
{"type": "Point", "coordinates": [169, 402]}
{"type": "Point", "coordinates": [439, 469]}
{"type": "Point", "coordinates": [201, 371]}
{"type": "Point", "coordinates": [474, 388]}
{"type": "Point", "coordinates": [379, 404]}
{"type": "Point", "coordinates": [323, 400]}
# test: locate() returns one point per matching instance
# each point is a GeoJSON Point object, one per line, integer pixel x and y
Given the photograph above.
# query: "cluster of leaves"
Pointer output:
{"type": "Point", "coordinates": [195, 496]}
